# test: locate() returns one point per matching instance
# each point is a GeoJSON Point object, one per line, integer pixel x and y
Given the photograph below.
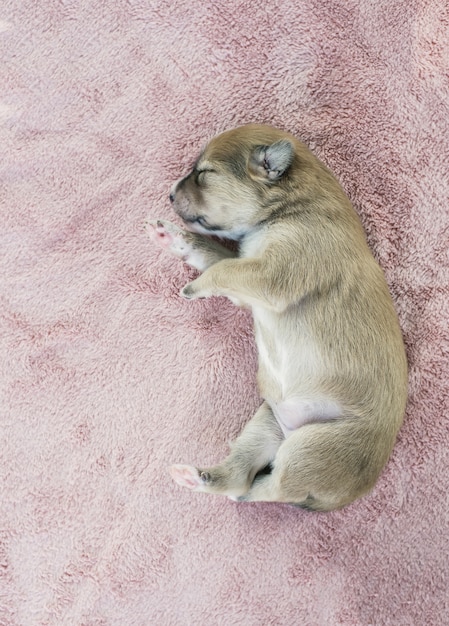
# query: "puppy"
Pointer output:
{"type": "Point", "coordinates": [332, 370]}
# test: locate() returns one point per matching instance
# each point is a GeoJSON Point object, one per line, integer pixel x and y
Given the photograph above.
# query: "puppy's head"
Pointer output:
{"type": "Point", "coordinates": [236, 181]}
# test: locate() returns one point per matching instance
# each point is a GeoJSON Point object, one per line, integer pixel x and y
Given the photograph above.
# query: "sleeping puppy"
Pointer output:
{"type": "Point", "coordinates": [332, 370]}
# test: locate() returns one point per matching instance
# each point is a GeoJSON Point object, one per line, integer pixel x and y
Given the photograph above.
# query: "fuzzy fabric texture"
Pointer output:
{"type": "Point", "coordinates": [108, 376]}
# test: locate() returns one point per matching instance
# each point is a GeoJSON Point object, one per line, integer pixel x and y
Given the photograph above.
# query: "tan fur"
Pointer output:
{"type": "Point", "coordinates": [332, 366]}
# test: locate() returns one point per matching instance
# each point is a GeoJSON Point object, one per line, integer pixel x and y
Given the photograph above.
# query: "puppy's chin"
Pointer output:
{"type": "Point", "coordinates": [195, 224]}
{"type": "Point", "coordinates": [216, 231]}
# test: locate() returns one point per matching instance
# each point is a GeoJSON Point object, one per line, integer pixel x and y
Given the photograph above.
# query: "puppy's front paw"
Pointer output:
{"type": "Point", "coordinates": [170, 236]}
{"type": "Point", "coordinates": [192, 291]}
{"type": "Point", "coordinates": [188, 292]}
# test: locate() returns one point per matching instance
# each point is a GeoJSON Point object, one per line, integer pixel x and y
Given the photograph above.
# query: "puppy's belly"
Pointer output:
{"type": "Point", "coordinates": [291, 368]}
{"type": "Point", "coordinates": [292, 413]}
{"type": "Point", "coordinates": [290, 363]}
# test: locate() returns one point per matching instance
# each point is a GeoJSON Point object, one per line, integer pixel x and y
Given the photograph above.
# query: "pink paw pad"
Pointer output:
{"type": "Point", "coordinates": [186, 476]}
{"type": "Point", "coordinates": [169, 236]}
{"type": "Point", "coordinates": [159, 233]}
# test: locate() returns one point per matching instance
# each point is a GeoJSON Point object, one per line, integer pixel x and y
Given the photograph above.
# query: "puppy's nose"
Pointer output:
{"type": "Point", "coordinates": [172, 197]}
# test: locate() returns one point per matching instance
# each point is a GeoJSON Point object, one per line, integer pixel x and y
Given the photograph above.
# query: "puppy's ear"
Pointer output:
{"type": "Point", "coordinates": [271, 162]}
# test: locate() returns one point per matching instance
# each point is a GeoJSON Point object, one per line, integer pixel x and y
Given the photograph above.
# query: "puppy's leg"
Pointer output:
{"type": "Point", "coordinates": [253, 450]}
{"type": "Point", "coordinates": [271, 487]}
{"type": "Point", "coordinates": [196, 250]}
{"type": "Point", "coordinates": [321, 466]}
{"type": "Point", "coordinates": [251, 281]}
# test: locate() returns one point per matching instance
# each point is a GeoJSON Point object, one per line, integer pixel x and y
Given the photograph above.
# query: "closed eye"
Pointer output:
{"type": "Point", "coordinates": [201, 221]}
{"type": "Point", "coordinates": [197, 220]}
{"type": "Point", "coordinates": [201, 175]}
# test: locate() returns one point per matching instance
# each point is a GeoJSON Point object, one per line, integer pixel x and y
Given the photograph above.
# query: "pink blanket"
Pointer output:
{"type": "Point", "coordinates": [108, 376]}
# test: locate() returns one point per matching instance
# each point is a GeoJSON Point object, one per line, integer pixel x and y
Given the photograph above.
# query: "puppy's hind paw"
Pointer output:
{"type": "Point", "coordinates": [188, 476]}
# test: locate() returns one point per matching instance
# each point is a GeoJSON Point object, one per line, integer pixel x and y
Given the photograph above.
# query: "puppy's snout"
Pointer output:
{"type": "Point", "coordinates": [173, 190]}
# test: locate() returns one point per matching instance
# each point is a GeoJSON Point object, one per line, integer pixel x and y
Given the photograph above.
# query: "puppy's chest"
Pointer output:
{"type": "Point", "coordinates": [252, 245]}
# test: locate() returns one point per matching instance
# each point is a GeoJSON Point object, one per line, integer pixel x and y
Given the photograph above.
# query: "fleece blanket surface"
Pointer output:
{"type": "Point", "coordinates": [108, 376]}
